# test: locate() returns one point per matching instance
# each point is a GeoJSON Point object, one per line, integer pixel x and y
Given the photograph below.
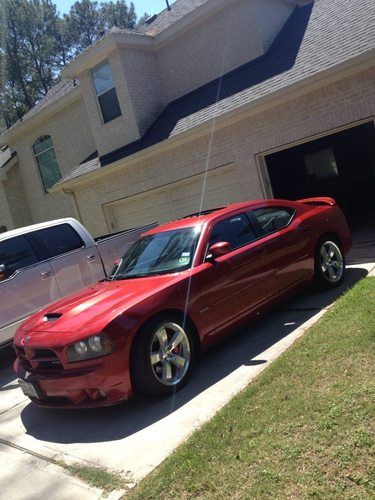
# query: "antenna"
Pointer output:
{"type": "Point", "coordinates": [168, 6]}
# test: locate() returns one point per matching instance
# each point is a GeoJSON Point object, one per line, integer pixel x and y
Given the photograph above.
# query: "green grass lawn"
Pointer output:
{"type": "Point", "coordinates": [304, 429]}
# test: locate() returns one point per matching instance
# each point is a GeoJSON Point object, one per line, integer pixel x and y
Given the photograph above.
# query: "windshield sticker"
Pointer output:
{"type": "Point", "coordinates": [184, 260]}
{"type": "Point", "coordinates": [185, 254]}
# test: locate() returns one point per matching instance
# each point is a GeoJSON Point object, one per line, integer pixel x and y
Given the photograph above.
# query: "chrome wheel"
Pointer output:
{"type": "Point", "coordinates": [331, 262]}
{"type": "Point", "coordinates": [170, 354]}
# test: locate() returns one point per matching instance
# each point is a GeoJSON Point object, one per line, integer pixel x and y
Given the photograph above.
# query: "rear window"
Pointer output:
{"type": "Point", "coordinates": [273, 219]}
{"type": "Point", "coordinates": [15, 254]}
{"type": "Point", "coordinates": [60, 239]}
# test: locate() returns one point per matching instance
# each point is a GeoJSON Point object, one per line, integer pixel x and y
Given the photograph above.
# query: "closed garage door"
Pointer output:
{"type": "Point", "coordinates": [175, 200]}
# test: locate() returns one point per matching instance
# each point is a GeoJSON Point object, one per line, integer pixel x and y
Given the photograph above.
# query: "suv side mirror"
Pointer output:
{"type": "Point", "coordinates": [218, 249]}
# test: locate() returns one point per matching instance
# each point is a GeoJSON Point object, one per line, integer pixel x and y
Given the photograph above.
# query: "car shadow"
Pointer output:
{"type": "Point", "coordinates": [118, 422]}
{"type": "Point", "coordinates": [7, 357]}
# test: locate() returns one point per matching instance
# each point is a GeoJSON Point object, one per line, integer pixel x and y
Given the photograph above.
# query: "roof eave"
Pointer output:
{"type": "Point", "coordinates": [101, 49]}
{"type": "Point", "coordinates": [19, 127]}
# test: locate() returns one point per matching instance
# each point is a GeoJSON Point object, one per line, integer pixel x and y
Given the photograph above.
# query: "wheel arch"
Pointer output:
{"type": "Point", "coordinates": [329, 235]}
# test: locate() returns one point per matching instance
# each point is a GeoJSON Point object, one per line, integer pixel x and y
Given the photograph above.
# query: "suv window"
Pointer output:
{"type": "Point", "coordinates": [236, 230]}
{"type": "Point", "coordinates": [60, 239]}
{"type": "Point", "coordinates": [15, 254]}
{"type": "Point", "coordinates": [273, 218]}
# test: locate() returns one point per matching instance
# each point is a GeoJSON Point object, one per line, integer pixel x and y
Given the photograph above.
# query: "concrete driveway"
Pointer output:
{"type": "Point", "coordinates": [137, 436]}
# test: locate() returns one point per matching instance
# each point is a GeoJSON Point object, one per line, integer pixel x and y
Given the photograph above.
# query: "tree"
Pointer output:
{"type": "Point", "coordinates": [36, 42]}
{"type": "Point", "coordinates": [117, 14]}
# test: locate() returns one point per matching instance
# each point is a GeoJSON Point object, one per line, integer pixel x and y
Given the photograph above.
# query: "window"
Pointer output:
{"type": "Point", "coordinates": [273, 218]}
{"type": "Point", "coordinates": [15, 253]}
{"type": "Point", "coordinates": [106, 92]}
{"type": "Point", "coordinates": [321, 164]}
{"type": "Point", "coordinates": [60, 239]}
{"type": "Point", "coordinates": [161, 253]}
{"type": "Point", "coordinates": [47, 162]}
{"type": "Point", "coordinates": [236, 230]}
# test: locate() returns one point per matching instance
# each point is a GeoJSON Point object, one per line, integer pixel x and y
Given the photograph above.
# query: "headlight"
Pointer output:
{"type": "Point", "coordinates": [93, 347]}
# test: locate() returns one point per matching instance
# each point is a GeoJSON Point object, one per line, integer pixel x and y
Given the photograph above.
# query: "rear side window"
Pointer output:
{"type": "Point", "coordinates": [60, 239]}
{"type": "Point", "coordinates": [273, 219]}
{"type": "Point", "coordinates": [15, 254]}
{"type": "Point", "coordinates": [236, 230]}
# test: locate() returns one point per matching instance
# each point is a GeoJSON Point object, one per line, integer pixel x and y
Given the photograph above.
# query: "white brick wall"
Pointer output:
{"type": "Point", "coordinates": [73, 142]}
{"type": "Point", "coordinates": [144, 84]}
{"type": "Point", "coordinates": [316, 112]}
{"type": "Point", "coordinates": [6, 218]}
{"type": "Point", "coordinates": [270, 18]}
{"type": "Point", "coordinates": [123, 129]}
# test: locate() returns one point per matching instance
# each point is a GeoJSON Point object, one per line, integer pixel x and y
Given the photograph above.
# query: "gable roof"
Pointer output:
{"type": "Point", "coordinates": [166, 18]}
{"type": "Point", "coordinates": [309, 44]}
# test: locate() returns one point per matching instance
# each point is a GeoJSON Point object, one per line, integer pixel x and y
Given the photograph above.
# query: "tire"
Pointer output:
{"type": "Point", "coordinates": [158, 367]}
{"type": "Point", "coordinates": [329, 263]}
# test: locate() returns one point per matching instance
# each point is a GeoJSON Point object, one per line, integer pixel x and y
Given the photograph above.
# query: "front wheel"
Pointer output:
{"type": "Point", "coordinates": [329, 264]}
{"type": "Point", "coordinates": [162, 356]}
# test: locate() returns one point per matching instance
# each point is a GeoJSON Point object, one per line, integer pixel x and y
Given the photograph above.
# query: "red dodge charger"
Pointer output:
{"type": "Point", "coordinates": [178, 289]}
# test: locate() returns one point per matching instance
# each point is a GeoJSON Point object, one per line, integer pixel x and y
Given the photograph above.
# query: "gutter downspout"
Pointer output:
{"type": "Point", "coordinates": [73, 197]}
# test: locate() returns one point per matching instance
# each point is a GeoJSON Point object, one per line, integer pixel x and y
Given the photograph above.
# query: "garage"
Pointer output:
{"type": "Point", "coordinates": [340, 165]}
{"type": "Point", "coordinates": [176, 199]}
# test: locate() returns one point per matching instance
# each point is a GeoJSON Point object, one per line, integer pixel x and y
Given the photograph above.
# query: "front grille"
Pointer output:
{"type": "Point", "coordinates": [39, 360]}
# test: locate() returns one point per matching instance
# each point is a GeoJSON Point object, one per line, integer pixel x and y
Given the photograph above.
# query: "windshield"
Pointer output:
{"type": "Point", "coordinates": [161, 253]}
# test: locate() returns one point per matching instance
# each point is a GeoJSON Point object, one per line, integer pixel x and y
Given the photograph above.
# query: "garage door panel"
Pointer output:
{"type": "Point", "coordinates": [177, 199]}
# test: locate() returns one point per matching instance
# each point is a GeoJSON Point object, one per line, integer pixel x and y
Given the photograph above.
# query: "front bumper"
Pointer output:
{"type": "Point", "coordinates": [94, 383]}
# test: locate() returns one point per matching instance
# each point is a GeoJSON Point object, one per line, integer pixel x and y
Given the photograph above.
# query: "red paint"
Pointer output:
{"type": "Point", "coordinates": [224, 294]}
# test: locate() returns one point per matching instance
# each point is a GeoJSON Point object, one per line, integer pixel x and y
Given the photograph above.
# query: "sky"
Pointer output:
{"type": "Point", "coordinates": [141, 6]}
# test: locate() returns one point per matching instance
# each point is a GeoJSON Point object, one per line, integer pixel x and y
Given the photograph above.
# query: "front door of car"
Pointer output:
{"type": "Point", "coordinates": [74, 264]}
{"type": "Point", "coordinates": [288, 243]}
{"type": "Point", "coordinates": [26, 284]}
{"type": "Point", "coordinates": [241, 280]}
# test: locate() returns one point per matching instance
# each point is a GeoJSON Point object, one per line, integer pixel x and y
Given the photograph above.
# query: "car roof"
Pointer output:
{"type": "Point", "coordinates": [213, 214]}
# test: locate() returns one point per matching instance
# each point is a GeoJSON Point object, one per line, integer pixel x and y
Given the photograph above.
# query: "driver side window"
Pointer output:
{"type": "Point", "coordinates": [236, 230]}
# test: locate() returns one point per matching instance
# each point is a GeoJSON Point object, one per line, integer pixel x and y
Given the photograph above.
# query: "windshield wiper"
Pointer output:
{"type": "Point", "coordinates": [144, 275]}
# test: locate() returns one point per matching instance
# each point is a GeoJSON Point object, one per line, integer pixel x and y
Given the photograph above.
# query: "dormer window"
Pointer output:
{"type": "Point", "coordinates": [106, 92]}
{"type": "Point", "coordinates": [47, 162]}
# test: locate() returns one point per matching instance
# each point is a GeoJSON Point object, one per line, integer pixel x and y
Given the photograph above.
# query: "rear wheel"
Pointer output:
{"type": "Point", "coordinates": [329, 263]}
{"type": "Point", "coordinates": [162, 356]}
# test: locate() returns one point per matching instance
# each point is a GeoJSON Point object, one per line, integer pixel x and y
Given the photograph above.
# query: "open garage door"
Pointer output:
{"type": "Point", "coordinates": [341, 165]}
{"type": "Point", "coordinates": [176, 200]}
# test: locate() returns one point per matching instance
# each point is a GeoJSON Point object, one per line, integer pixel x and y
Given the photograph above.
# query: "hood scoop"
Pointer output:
{"type": "Point", "coordinates": [50, 317]}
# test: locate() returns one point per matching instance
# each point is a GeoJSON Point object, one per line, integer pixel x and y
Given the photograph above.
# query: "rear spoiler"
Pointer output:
{"type": "Point", "coordinates": [318, 201]}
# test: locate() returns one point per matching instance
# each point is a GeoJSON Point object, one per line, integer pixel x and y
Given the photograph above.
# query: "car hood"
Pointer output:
{"type": "Point", "coordinates": [95, 306]}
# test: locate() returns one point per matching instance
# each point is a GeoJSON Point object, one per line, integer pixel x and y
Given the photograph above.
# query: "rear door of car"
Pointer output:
{"type": "Point", "coordinates": [287, 241]}
{"type": "Point", "coordinates": [75, 262]}
{"type": "Point", "coordinates": [241, 280]}
{"type": "Point", "coordinates": [27, 283]}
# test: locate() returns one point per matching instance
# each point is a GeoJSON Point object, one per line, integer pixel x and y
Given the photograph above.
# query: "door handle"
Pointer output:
{"type": "Point", "coordinates": [303, 229]}
{"type": "Point", "coordinates": [45, 275]}
{"type": "Point", "coordinates": [91, 258]}
{"type": "Point", "coordinates": [259, 251]}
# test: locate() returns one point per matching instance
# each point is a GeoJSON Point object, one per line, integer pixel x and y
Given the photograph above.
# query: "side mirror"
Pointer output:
{"type": "Point", "coordinates": [218, 249]}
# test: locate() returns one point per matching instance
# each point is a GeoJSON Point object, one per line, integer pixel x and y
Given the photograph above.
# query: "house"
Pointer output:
{"type": "Point", "coordinates": [211, 102]}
